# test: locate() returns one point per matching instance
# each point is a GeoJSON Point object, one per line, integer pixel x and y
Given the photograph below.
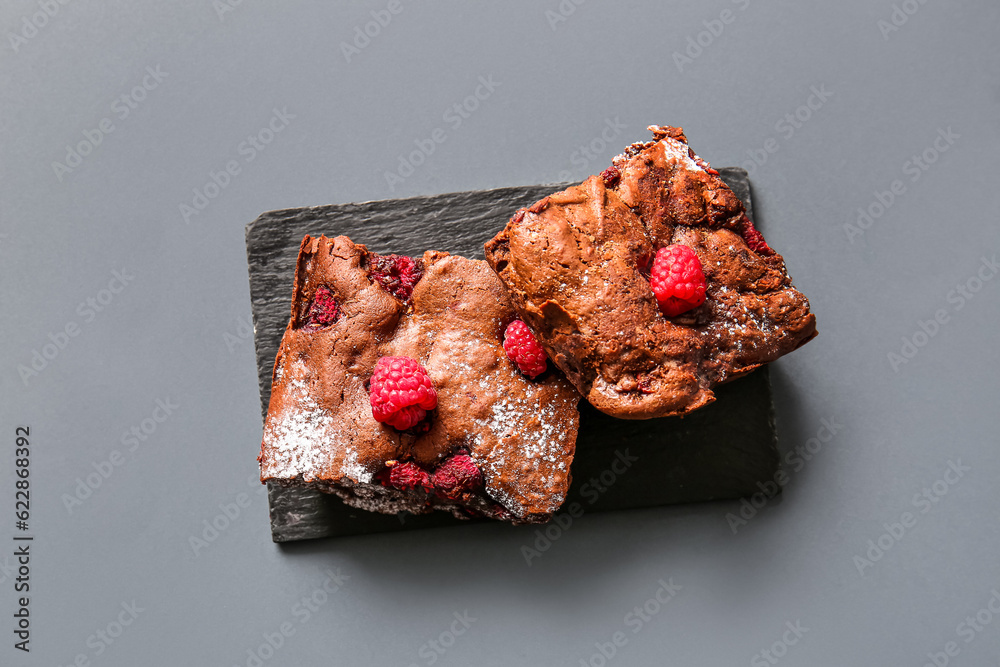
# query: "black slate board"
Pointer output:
{"type": "Point", "coordinates": [719, 452]}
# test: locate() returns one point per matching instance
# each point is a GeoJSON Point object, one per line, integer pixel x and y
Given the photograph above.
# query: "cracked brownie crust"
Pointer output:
{"type": "Point", "coordinates": [576, 266]}
{"type": "Point", "coordinates": [320, 431]}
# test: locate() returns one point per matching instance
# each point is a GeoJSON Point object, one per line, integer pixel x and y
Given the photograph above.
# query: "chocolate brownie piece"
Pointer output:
{"type": "Point", "coordinates": [497, 445]}
{"type": "Point", "coordinates": [576, 266]}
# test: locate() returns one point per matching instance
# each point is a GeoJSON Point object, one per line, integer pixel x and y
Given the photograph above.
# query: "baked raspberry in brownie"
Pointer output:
{"type": "Point", "coordinates": [648, 285]}
{"type": "Point", "coordinates": [392, 390]}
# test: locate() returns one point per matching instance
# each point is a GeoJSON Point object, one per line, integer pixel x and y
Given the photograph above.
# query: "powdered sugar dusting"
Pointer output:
{"type": "Point", "coordinates": [293, 437]}
{"type": "Point", "coordinates": [742, 330]}
{"type": "Point", "coordinates": [512, 416]}
{"type": "Point", "coordinates": [675, 150]}
{"type": "Point", "coordinates": [353, 469]}
{"type": "Point", "coordinates": [735, 315]}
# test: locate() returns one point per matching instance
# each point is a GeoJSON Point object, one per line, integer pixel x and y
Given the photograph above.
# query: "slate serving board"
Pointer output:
{"type": "Point", "coordinates": [718, 452]}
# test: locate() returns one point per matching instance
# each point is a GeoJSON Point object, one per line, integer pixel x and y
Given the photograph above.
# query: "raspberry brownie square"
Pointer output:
{"type": "Point", "coordinates": [648, 285]}
{"type": "Point", "coordinates": [392, 389]}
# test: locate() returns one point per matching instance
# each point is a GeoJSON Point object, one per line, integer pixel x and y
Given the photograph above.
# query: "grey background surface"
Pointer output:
{"type": "Point", "coordinates": [177, 331]}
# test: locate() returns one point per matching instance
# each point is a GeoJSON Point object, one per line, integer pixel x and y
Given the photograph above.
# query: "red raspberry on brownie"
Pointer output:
{"type": "Point", "coordinates": [677, 279]}
{"type": "Point", "coordinates": [754, 239]}
{"type": "Point", "coordinates": [457, 474]}
{"type": "Point", "coordinates": [397, 274]}
{"type": "Point", "coordinates": [523, 349]}
{"type": "Point", "coordinates": [409, 476]}
{"type": "Point", "coordinates": [323, 311]}
{"type": "Point", "coordinates": [611, 176]}
{"type": "Point", "coordinates": [401, 392]}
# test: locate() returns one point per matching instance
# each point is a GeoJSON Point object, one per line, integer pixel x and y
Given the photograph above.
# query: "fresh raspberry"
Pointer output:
{"type": "Point", "coordinates": [409, 476]}
{"type": "Point", "coordinates": [323, 311]}
{"type": "Point", "coordinates": [401, 392]}
{"type": "Point", "coordinates": [754, 239]}
{"type": "Point", "coordinates": [457, 474]}
{"type": "Point", "coordinates": [677, 279]}
{"type": "Point", "coordinates": [611, 176]}
{"type": "Point", "coordinates": [396, 274]}
{"type": "Point", "coordinates": [523, 349]}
